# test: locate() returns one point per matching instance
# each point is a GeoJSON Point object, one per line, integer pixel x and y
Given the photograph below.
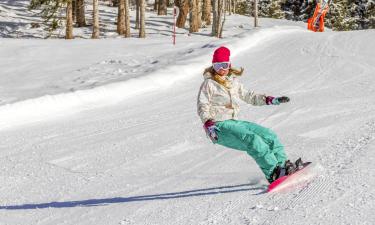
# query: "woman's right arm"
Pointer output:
{"type": "Point", "coordinates": [203, 102]}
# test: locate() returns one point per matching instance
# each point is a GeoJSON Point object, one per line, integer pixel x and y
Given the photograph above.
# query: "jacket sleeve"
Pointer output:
{"type": "Point", "coordinates": [203, 102]}
{"type": "Point", "coordinates": [250, 97]}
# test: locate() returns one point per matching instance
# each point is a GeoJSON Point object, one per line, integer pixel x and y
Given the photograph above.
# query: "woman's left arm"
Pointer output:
{"type": "Point", "coordinates": [251, 97]}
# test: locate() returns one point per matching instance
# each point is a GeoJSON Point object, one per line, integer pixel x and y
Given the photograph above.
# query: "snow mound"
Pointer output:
{"type": "Point", "coordinates": [50, 106]}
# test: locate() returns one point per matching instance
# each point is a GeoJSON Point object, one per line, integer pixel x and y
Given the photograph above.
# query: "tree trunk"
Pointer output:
{"type": "Point", "coordinates": [183, 12]}
{"type": "Point", "coordinates": [69, 20]}
{"type": "Point", "coordinates": [193, 19]}
{"type": "Point", "coordinates": [162, 9]}
{"type": "Point", "coordinates": [214, 17]}
{"type": "Point", "coordinates": [220, 10]}
{"type": "Point", "coordinates": [221, 27]}
{"type": "Point", "coordinates": [121, 17]}
{"type": "Point", "coordinates": [137, 14]}
{"type": "Point", "coordinates": [127, 19]}
{"type": "Point", "coordinates": [95, 15]}
{"type": "Point", "coordinates": [142, 24]}
{"type": "Point", "coordinates": [74, 5]}
{"type": "Point", "coordinates": [81, 20]}
{"type": "Point", "coordinates": [206, 14]}
{"type": "Point", "coordinates": [199, 9]}
{"type": "Point", "coordinates": [230, 7]}
{"type": "Point", "coordinates": [156, 5]}
{"type": "Point", "coordinates": [255, 13]}
{"type": "Point", "coordinates": [114, 3]}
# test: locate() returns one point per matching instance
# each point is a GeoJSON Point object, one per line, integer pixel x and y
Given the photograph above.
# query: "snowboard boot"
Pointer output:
{"type": "Point", "coordinates": [299, 164]}
{"type": "Point", "coordinates": [290, 167]}
{"type": "Point", "coordinates": [277, 173]}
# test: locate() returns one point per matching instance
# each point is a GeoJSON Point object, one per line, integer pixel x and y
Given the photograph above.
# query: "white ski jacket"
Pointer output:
{"type": "Point", "coordinates": [219, 103]}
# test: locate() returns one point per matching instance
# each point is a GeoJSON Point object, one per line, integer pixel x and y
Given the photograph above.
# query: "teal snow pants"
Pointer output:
{"type": "Point", "coordinates": [259, 142]}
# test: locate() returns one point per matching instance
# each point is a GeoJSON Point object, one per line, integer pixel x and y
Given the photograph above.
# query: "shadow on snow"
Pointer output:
{"type": "Point", "coordinates": [165, 196]}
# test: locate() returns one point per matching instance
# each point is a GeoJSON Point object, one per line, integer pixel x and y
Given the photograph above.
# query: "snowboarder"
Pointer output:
{"type": "Point", "coordinates": [218, 107]}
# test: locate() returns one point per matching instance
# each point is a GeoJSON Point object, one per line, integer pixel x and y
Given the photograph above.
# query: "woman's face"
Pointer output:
{"type": "Point", "coordinates": [222, 72]}
{"type": "Point", "coordinates": [221, 68]}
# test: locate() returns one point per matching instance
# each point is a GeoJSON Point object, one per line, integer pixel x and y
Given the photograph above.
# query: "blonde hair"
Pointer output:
{"type": "Point", "coordinates": [232, 71]}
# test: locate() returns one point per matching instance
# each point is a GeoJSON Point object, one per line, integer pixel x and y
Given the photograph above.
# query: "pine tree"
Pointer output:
{"type": "Point", "coordinates": [50, 11]}
{"type": "Point", "coordinates": [295, 9]}
{"type": "Point", "coordinates": [271, 8]}
{"type": "Point", "coordinates": [275, 10]}
{"type": "Point", "coordinates": [339, 16]}
{"type": "Point", "coordinates": [361, 11]}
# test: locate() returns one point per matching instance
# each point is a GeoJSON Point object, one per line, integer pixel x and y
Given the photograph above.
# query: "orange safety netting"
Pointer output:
{"type": "Point", "coordinates": [316, 22]}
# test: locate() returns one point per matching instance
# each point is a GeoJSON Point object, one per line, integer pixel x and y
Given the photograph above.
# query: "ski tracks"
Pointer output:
{"type": "Point", "coordinates": [327, 190]}
{"type": "Point", "coordinates": [313, 202]}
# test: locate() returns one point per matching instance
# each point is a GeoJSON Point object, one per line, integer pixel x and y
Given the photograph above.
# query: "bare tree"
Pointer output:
{"type": "Point", "coordinates": [137, 14]}
{"type": "Point", "coordinates": [95, 15]}
{"type": "Point", "coordinates": [255, 13]}
{"type": "Point", "coordinates": [218, 12]}
{"type": "Point", "coordinates": [193, 19]}
{"type": "Point", "coordinates": [200, 4]}
{"type": "Point", "coordinates": [183, 6]}
{"type": "Point", "coordinates": [230, 7]}
{"type": "Point", "coordinates": [142, 20]}
{"type": "Point", "coordinates": [220, 22]}
{"type": "Point", "coordinates": [69, 20]}
{"type": "Point", "coordinates": [81, 20]}
{"type": "Point", "coordinates": [127, 19]}
{"type": "Point", "coordinates": [222, 10]}
{"type": "Point", "coordinates": [206, 13]}
{"type": "Point", "coordinates": [156, 5]}
{"type": "Point", "coordinates": [162, 9]}
{"type": "Point", "coordinates": [121, 17]}
{"type": "Point", "coordinates": [215, 7]}
{"type": "Point", "coordinates": [74, 5]}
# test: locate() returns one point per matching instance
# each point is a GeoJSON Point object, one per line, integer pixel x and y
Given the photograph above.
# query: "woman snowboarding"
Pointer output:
{"type": "Point", "coordinates": [218, 107]}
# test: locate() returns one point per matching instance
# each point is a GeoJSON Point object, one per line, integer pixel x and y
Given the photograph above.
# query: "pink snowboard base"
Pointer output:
{"type": "Point", "coordinates": [299, 178]}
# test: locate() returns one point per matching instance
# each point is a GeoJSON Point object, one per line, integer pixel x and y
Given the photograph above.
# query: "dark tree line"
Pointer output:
{"type": "Point", "coordinates": [342, 14]}
{"type": "Point", "coordinates": [195, 14]}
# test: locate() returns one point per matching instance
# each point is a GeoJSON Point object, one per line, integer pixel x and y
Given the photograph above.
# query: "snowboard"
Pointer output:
{"type": "Point", "coordinates": [290, 181]}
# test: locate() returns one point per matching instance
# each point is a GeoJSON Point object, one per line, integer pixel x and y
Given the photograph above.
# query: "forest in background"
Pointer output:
{"type": "Point", "coordinates": [343, 15]}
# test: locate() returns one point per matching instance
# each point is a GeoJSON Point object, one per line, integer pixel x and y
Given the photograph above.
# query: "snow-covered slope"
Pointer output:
{"type": "Point", "coordinates": [117, 139]}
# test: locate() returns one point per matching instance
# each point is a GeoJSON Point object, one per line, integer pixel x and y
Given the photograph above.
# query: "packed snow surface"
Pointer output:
{"type": "Point", "coordinates": [106, 131]}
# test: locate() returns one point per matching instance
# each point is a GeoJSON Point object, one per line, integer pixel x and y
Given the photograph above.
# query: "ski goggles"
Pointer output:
{"type": "Point", "coordinates": [221, 66]}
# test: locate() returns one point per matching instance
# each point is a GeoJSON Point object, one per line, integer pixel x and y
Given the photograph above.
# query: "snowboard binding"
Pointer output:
{"type": "Point", "coordinates": [293, 167]}
{"type": "Point", "coordinates": [288, 169]}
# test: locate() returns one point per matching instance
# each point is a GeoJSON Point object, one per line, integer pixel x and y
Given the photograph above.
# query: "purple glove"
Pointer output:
{"type": "Point", "coordinates": [270, 100]}
{"type": "Point", "coordinates": [210, 128]}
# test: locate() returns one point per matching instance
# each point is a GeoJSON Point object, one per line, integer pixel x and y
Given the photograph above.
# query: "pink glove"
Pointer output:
{"type": "Point", "coordinates": [210, 128]}
{"type": "Point", "coordinates": [270, 100]}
